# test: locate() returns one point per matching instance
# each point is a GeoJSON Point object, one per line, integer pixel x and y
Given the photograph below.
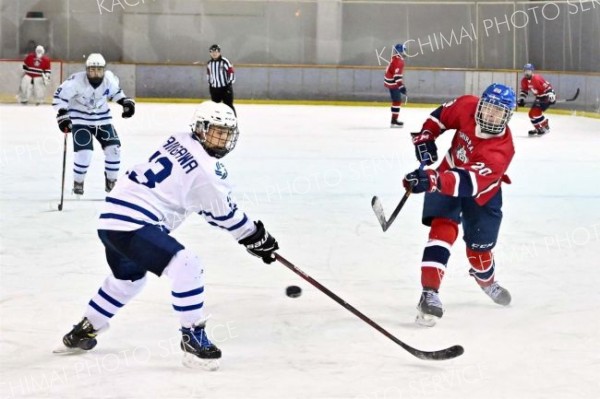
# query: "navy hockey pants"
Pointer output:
{"type": "Point", "coordinates": [83, 136]}
{"type": "Point", "coordinates": [481, 224]}
{"type": "Point", "coordinates": [130, 254]}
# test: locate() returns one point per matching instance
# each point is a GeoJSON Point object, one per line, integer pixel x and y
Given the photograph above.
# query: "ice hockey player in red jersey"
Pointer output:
{"type": "Point", "coordinates": [36, 76]}
{"type": "Point", "coordinates": [464, 188]}
{"type": "Point", "coordinates": [544, 98]}
{"type": "Point", "coordinates": [393, 80]}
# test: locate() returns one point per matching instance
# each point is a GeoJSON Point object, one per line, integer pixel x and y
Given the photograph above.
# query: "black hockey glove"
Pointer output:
{"type": "Point", "coordinates": [64, 122]}
{"type": "Point", "coordinates": [521, 102]}
{"type": "Point", "coordinates": [425, 148]}
{"type": "Point", "coordinates": [128, 107]}
{"type": "Point", "coordinates": [420, 181]}
{"type": "Point", "coordinates": [403, 90]}
{"type": "Point", "coordinates": [261, 243]}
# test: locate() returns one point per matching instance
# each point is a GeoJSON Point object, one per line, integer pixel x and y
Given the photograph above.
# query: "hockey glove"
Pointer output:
{"type": "Point", "coordinates": [261, 243]}
{"type": "Point", "coordinates": [402, 90]}
{"type": "Point", "coordinates": [521, 102]}
{"type": "Point", "coordinates": [425, 148]}
{"type": "Point", "coordinates": [64, 122]}
{"type": "Point", "coordinates": [420, 181]}
{"type": "Point", "coordinates": [551, 97]}
{"type": "Point", "coordinates": [128, 107]}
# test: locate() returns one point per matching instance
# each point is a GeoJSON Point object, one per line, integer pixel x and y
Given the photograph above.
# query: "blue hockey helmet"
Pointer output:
{"type": "Point", "coordinates": [399, 48]}
{"type": "Point", "coordinates": [495, 108]}
{"type": "Point", "coordinates": [528, 69]}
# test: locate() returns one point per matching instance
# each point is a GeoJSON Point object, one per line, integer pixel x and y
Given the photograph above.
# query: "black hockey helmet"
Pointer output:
{"type": "Point", "coordinates": [215, 47]}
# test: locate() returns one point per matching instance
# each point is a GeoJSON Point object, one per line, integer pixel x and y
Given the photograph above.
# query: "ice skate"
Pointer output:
{"type": "Point", "coordinates": [498, 294]}
{"type": "Point", "coordinates": [77, 188]}
{"type": "Point", "coordinates": [532, 132]}
{"type": "Point", "coordinates": [199, 351]}
{"type": "Point", "coordinates": [81, 338]}
{"type": "Point", "coordinates": [108, 183]}
{"type": "Point", "coordinates": [429, 307]}
{"type": "Point", "coordinates": [395, 123]}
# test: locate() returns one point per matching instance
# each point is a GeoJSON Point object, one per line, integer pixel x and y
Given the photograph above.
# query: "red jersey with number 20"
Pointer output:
{"type": "Point", "coordinates": [476, 163]}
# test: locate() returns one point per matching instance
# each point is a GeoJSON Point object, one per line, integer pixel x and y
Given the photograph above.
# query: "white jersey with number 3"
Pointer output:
{"type": "Point", "coordinates": [179, 179]}
{"type": "Point", "coordinates": [86, 105]}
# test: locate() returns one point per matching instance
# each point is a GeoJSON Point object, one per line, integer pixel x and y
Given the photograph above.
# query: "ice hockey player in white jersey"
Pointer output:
{"type": "Point", "coordinates": [184, 176]}
{"type": "Point", "coordinates": [82, 105]}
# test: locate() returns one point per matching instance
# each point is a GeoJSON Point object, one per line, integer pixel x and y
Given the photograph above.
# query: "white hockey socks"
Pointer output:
{"type": "Point", "coordinates": [81, 163]}
{"type": "Point", "coordinates": [112, 296]}
{"type": "Point", "coordinates": [112, 161]}
{"type": "Point", "coordinates": [187, 287]}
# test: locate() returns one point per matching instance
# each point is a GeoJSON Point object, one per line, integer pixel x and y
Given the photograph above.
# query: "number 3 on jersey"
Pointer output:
{"type": "Point", "coordinates": [159, 171]}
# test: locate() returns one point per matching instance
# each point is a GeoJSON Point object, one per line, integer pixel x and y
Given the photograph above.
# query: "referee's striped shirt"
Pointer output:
{"type": "Point", "coordinates": [219, 72]}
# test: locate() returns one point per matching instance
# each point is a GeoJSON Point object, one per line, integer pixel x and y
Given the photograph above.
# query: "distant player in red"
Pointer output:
{"type": "Point", "coordinates": [36, 76]}
{"type": "Point", "coordinates": [544, 98]}
{"type": "Point", "coordinates": [393, 80]}
{"type": "Point", "coordinates": [465, 188]}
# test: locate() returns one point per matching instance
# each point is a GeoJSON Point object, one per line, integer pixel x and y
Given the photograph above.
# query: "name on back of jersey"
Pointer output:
{"type": "Point", "coordinates": [181, 154]}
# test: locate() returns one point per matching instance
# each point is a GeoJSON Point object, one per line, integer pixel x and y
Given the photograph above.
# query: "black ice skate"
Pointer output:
{"type": "Point", "coordinates": [108, 184]}
{"type": "Point", "coordinates": [81, 338]}
{"type": "Point", "coordinates": [429, 307]}
{"type": "Point", "coordinates": [396, 123]}
{"type": "Point", "coordinates": [77, 188]}
{"type": "Point", "coordinates": [498, 294]}
{"type": "Point", "coordinates": [199, 351]}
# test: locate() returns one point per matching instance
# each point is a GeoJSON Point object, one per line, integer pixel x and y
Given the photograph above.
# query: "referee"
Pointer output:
{"type": "Point", "coordinates": [220, 76]}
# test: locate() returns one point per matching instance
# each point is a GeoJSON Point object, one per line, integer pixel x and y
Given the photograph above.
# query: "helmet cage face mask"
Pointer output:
{"type": "Point", "coordinates": [492, 116]}
{"type": "Point", "coordinates": [94, 68]}
{"type": "Point", "coordinates": [218, 139]}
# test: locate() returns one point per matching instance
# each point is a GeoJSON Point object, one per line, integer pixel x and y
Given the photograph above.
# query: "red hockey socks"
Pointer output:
{"type": "Point", "coordinates": [442, 235]}
{"type": "Point", "coordinates": [482, 266]}
{"type": "Point", "coordinates": [395, 109]}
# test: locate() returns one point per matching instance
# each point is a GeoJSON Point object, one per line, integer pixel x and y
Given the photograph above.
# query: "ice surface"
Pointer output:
{"type": "Point", "coordinates": [309, 173]}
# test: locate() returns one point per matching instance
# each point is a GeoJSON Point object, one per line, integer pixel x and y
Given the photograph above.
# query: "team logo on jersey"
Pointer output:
{"type": "Point", "coordinates": [221, 171]}
{"type": "Point", "coordinates": [461, 154]}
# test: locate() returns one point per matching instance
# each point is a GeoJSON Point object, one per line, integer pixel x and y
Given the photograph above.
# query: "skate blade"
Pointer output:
{"type": "Point", "coordinates": [194, 362]}
{"type": "Point", "coordinates": [426, 320]}
{"type": "Point", "coordinates": [65, 350]}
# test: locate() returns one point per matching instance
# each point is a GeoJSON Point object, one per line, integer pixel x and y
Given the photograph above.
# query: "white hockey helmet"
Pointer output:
{"type": "Point", "coordinates": [95, 60]}
{"type": "Point", "coordinates": [215, 126]}
{"type": "Point", "coordinates": [94, 66]}
{"type": "Point", "coordinates": [39, 51]}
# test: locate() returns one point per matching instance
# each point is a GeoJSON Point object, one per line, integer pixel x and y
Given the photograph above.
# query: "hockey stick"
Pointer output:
{"type": "Point", "coordinates": [443, 354]}
{"type": "Point", "coordinates": [379, 213]}
{"type": "Point", "coordinates": [565, 100]}
{"type": "Point", "coordinates": [378, 208]}
{"type": "Point", "coordinates": [64, 166]}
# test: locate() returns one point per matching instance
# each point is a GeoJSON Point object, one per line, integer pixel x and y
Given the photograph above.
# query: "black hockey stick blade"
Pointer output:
{"type": "Point", "coordinates": [443, 354]}
{"type": "Point", "coordinates": [380, 214]}
{"type": "Point", "coordinates": [574, 97]}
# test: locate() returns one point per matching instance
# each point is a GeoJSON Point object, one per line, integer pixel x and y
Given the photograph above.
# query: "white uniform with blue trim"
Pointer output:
{"type": "Point", "coordinates": [86, 105]}
{"type": "Point", "coordinates": [179, 179]}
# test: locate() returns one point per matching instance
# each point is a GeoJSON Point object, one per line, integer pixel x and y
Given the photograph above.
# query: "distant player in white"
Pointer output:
{"type": "Point", "coordinates": [82, 105]}
{"type": "Point", "coordinates": [184, 176]}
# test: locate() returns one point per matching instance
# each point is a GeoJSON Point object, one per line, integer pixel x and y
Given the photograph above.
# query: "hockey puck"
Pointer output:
{"type": "Point", "coordinates": [293, 291]}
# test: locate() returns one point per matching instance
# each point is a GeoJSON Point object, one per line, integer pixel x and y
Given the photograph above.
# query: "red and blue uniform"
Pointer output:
{"type": "Point", "coordinates": [541, 89]}
{"type": "Point", "coordinates": [393, 80]}
{"type": "Point", "coordinates": [468, 191]}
